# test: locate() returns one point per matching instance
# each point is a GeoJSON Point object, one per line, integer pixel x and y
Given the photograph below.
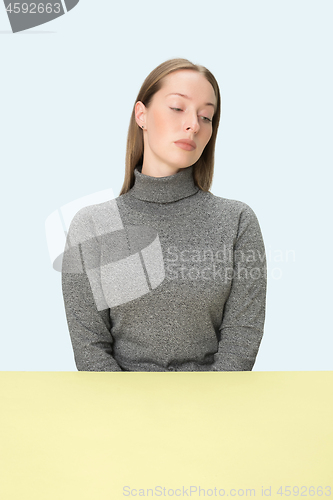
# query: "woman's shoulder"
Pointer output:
{"type": "Point", "coordinates": [228, 205]}
{"type": "Point", "coordinates": [236, 215]}
{"type": "Point", "coordinates": [97, 218]}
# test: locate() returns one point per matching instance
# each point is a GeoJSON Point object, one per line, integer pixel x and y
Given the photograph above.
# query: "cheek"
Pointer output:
{"type": "Point", "coordinates": [166, 122]}
{"type": "Point", "coordinates": [210, 133]}
{"type": "Point", "coordinates": [158, 123]}
{"type": "Point", "coordinates": [207, 137]}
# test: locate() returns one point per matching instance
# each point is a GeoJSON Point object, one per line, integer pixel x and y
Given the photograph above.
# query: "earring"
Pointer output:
{"type": "Point", "coordinates": [142, 126]}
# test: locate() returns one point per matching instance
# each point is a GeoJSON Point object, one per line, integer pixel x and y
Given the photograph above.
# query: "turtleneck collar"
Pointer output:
{"type": "Point", "coordinates": [163, 189]}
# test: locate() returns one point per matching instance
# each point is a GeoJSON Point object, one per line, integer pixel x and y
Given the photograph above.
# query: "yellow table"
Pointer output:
{"type": "Point", "coordinates": [106, 436]}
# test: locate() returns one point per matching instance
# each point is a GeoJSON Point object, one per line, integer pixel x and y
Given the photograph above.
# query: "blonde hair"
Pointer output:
{"type": "Point", "coordinates": [203, 169]}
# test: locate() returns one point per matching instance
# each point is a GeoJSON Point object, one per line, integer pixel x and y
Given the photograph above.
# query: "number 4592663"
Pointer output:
{"type": "Point", "coordinates": [34, 8]}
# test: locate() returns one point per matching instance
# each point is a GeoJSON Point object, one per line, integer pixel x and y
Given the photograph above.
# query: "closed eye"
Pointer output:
{"type": "Point", "coordinates": [205, 119]}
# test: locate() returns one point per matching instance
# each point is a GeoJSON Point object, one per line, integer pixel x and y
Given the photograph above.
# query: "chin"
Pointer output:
{"type": "Point", "coordinates": [184, 162]}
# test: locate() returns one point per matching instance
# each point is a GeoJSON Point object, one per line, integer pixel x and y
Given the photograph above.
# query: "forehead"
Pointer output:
{"type": "Point", "coordinates": [189, 82]}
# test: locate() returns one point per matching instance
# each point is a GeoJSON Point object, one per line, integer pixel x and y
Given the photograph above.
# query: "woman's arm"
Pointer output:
{"type": "Point", "coordinates": [89, 325]}
{"type": "Point", "coordinates": [243, 318]}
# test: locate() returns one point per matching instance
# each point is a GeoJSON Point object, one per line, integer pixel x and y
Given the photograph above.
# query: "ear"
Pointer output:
{"type": "Point", "coordinates": [140, 113]}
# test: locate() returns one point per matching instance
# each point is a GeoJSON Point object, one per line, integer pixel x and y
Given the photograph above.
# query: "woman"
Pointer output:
{"type": "Point", "coordinates": [167, 277]}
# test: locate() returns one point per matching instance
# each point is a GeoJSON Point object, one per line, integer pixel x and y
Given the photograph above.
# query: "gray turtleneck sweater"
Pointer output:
{"type": "Point", "coordinates": [166, 277]}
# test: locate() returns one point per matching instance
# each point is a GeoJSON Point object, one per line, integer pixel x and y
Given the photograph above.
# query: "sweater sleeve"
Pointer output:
{"type": "Point", "coordinates": [243, 317]}
{"type": "Point", "coordinates": [87, 314]}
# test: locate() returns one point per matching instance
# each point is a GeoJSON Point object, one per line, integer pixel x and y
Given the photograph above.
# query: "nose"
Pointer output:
{"type": "Point", "coordinates": [192, 123]}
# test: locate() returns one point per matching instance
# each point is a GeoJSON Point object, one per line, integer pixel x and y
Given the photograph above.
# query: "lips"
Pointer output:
{"type": "Point", "coordinates": [186, 144]}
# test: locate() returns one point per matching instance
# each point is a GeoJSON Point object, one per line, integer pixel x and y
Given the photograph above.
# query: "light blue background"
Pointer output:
{"type": "Point", "coordinates": [67, 92]}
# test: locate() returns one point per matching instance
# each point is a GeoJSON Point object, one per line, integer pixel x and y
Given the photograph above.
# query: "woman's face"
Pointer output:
{"type": "Point", "coordinates": [182, 109]}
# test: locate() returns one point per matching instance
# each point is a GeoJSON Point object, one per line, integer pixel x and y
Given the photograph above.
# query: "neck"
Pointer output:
{"type": "Point", "coordinates": [158, 171]}
{"type": "Point", "coordinates": [163, 189]}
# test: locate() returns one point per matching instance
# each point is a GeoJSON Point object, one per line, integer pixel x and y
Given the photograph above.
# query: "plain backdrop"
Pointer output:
{"type": "Point", "coordinates": [67, 92]}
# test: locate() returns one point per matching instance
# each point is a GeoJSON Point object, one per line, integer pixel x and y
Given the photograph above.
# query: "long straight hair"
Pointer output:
{"type": "Point", "coordinates": [203, 168]}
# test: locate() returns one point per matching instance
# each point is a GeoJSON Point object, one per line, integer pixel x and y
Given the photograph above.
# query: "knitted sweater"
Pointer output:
{"type": "Point", "coordinates": [166, 277]}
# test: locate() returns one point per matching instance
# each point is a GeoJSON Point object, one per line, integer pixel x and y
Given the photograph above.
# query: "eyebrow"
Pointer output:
{"type": "Point", "coordinates": [187, 97]}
